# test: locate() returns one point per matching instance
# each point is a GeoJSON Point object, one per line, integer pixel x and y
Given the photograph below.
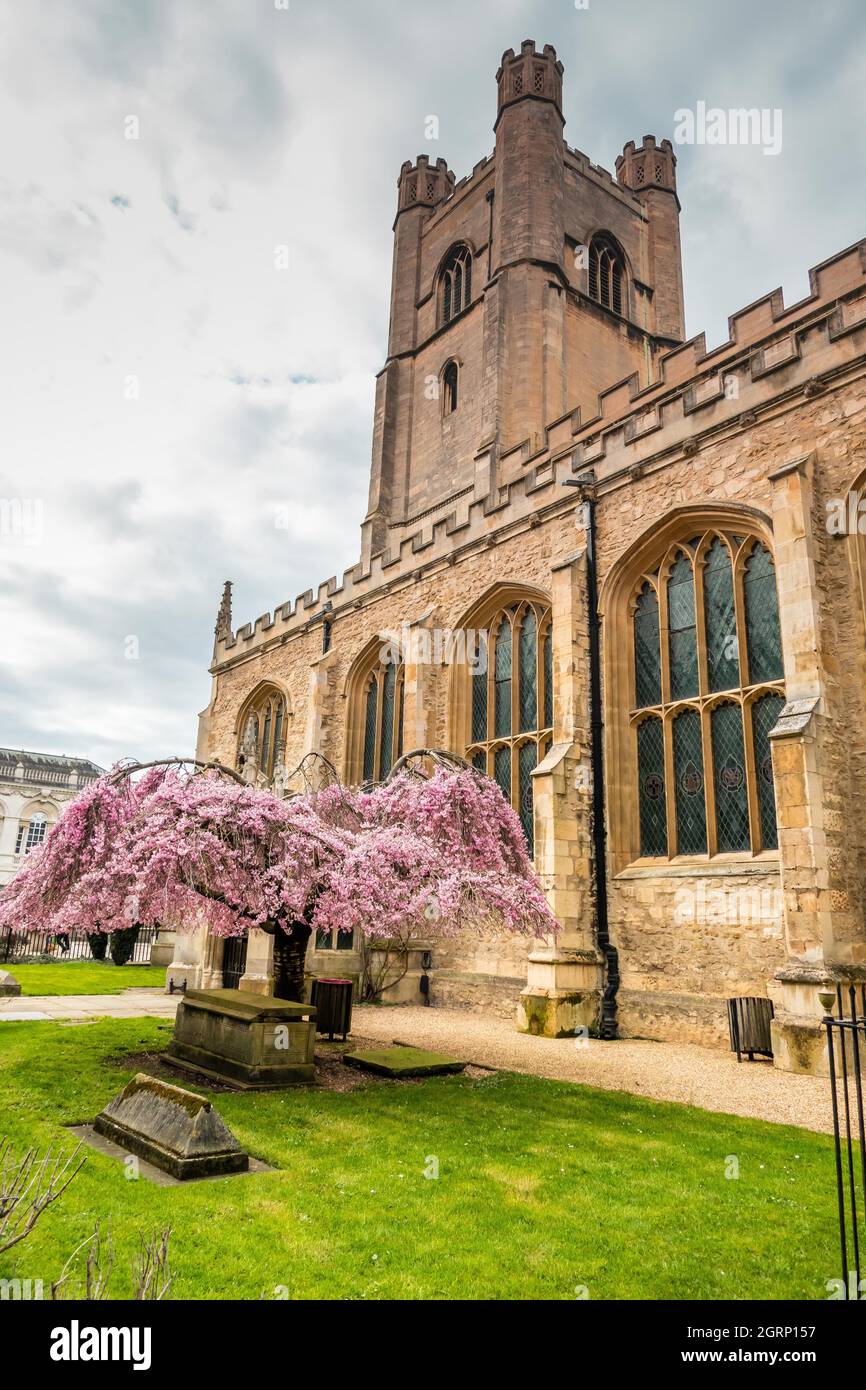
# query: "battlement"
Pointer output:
{"type": "Point", "coordinates": [529, 74]}
{"type": "Point", "coordinates": [772, 350]}
{"type": "Point", "coordinates": [647, 167]}
{"type": "Point", "coordinates": [423, 184]}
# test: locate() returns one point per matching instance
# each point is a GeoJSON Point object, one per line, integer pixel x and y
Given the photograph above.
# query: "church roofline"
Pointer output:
{"type": "Point", "coordinates": [763, 338]}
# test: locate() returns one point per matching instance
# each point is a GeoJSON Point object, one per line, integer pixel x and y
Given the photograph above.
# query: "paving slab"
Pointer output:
{"type": "Point", "coordinates": [403, 1061]}
{"type": "Point", "coordinates": [132, 1003]}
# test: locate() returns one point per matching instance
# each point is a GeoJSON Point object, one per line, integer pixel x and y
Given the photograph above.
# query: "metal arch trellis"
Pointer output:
{"type": "Point", "coordinates": [128, 768]}
{"type": "Point", "coordinates": [440, 757]}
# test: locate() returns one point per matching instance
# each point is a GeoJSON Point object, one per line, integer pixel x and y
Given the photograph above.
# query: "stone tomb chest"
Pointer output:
{"type": "Point", "coordinates": [252, 1041]}
{"type": "Point", "coordinates": [176, 1130]}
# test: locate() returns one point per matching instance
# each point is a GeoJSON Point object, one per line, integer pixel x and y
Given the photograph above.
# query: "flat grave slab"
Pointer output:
{"type": "Point", "coordinates": [403, 1061]}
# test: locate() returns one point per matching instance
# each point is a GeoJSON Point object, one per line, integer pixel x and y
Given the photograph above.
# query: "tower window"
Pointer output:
{"type": "Point", "coordinates": [606, 273]}
{"type": "Point", "coordinates": [455, 281]}
{"type": "Point", "coordinates": [450, 378]}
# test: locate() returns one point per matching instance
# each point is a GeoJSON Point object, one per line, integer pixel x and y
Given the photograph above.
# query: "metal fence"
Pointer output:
{"type": "Point", "coordinates": [846, 1047]}
{"type": "Point", "coordinates": [40, 946]}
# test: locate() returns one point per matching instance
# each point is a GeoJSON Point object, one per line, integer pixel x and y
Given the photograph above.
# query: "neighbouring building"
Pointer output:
{"type": "Point", "coordinates": [34, 788]}
{"type": "Point", "coordinates": [536, 339]}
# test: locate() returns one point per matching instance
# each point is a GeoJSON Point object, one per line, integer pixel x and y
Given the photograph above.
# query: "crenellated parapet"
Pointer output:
{"type": "Point", "coordinates": [772, 351]}
{"type": "Point", "coordinates": [650, 165]}
{"type": "Point", "coordinates": [529, 75]}
{"type": "Point", "coordinates": [423, 184]}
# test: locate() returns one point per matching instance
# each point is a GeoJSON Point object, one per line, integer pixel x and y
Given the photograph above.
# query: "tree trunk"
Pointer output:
{"type": "Point", "coordinates": [290, 953]}
{"type": "Point", "coordinates": [123, 943]}
{"type": "Point", "coordinates": [98, 944]}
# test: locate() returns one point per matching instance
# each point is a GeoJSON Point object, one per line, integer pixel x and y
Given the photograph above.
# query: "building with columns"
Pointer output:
{"type": "Point", "coordinates": [663, 666]}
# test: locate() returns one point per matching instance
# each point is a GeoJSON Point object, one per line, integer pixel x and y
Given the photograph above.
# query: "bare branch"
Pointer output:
{"type": "Point", "coordinates": [28, 1186]}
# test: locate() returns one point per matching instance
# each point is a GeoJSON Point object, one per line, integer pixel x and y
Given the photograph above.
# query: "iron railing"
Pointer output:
{"type": "Point", "coordinates": [60, 946]}
{"type": "Point", "coordinates": [846, 1050]}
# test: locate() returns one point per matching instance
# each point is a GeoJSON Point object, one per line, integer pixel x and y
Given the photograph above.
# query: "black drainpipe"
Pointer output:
{"type": "Point", "coordinates": [607, 1021]}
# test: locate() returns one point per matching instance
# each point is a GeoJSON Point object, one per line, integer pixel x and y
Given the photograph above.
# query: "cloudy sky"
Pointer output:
{"type": "Point", "coordinates": [169, 394]}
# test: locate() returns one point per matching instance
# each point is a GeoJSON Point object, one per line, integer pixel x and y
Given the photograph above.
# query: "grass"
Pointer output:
{"type": "Point", "coordinates": [543, 1188]}
{"type": "Point", "coordinates": [86, 977]}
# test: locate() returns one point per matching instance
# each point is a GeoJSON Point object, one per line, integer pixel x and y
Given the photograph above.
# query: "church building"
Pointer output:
{"type": "Point", "coordinates": [622, 575]}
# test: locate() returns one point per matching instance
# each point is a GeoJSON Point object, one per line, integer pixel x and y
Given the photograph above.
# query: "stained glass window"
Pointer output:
{"type": "Point", "coordinates": [647, 659]}
{"type": "Point", "coordinates": [527, 760]}
{"type": "Point", "coordinates": [762, 617]}
{"type": "Point", "coordinates": [689, 774]}
{"type": "Point", "coordinates": [383, 721]}
{"type": "Point", "coordinates": [502, 678]}
{"type": "Point", "coordinates": [729, 779]}
{"type": "Point", "coordinates": [723, 663]}
{"type": "Point", "coordinates": [714, 810]}
{"type": "Point", "coordinates": [509, 719]}
{"type": "Point", "coordinates": [765, 712]}
{"type": "Point", "coordinates": [548, 679]}
{"type": "Point", "coordinates": [502, 769]}
{"type": "Point", "coordinates": [528, 689]}
{"type": "Point", "coordinates": [370, 729]}
{"type": "Point", "coordinates": [479, 706]}
{"type": "Point", "coordinates": [681, 626]}
{"type": "Point", "coordinates": [388, 684]}
{"type": "Point", "coordinates": [651, 788]}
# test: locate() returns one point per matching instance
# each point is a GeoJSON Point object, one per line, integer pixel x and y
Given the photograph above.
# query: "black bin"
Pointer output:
{"type": "Point", "coordinates": [333, 1003]}
{"type": "Point", "coordinates": [749, 1027]}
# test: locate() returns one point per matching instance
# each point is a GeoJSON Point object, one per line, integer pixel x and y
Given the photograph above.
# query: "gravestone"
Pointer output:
{"type": "Point", "coordinates": [8, 983]}
{"type": "Point", "coordinates": [251, 1041]}
{"type": "Point", "coordinates": [173, 1129]}
{"type": "Point", "coordinates": [403, 1061]}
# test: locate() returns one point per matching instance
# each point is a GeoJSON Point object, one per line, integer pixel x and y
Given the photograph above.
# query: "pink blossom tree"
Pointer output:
{"type": "Point", "coordinates": [427, 855]}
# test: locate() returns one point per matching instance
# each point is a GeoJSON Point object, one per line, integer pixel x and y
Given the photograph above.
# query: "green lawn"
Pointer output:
{"type": "Point", "coordinates": [543, 1187]}
{"type": "Point", "coordinates": [85, 977]}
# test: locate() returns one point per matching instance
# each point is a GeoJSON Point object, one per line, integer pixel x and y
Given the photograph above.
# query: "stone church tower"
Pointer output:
{"type": "Point", "coordinates": [674, 696]}
{"type": "Point", "coordinates": [527, 341]}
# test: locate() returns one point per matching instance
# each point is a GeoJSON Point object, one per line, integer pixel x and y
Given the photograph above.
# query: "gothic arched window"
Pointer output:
{"type": "Point", "coordinates": [262, 736]}
{"type": "Point", "coordinates": [383, 720]}
{"type": "Point", "coordinates": [707, 689]}
{"type": "Point", "coordinates": [455, 282]}
{"type": "Point", "coordinates": [607, 273]}
{"type": "Point", "coordinates": [511, 717]}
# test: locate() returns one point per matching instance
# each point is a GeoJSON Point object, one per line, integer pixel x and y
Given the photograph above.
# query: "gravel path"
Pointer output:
{"type": "Point", "coordinates": [702, 1076]}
